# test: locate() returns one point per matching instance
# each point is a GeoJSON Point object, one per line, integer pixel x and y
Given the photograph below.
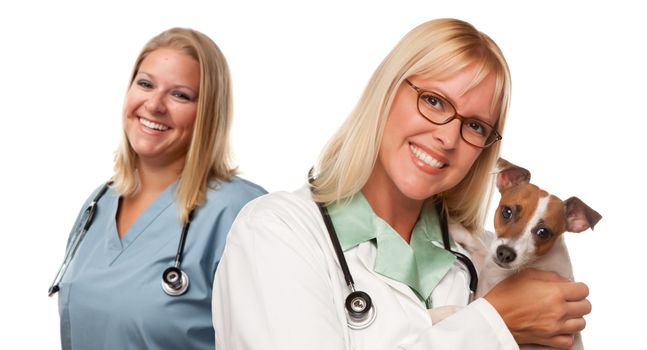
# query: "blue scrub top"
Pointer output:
{"type": "Point", "coordinates": [111, 296]}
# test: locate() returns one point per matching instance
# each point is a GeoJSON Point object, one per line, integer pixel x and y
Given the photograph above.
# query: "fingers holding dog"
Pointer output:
{"type": "Point", "coordinates": [576, 291]}
{"type": "Point", "coordinates": [546, 309]}
{"type": "Point", "coordinates": [574, 325]}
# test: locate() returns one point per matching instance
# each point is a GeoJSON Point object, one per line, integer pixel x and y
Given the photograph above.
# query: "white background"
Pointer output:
{"type": "Point", "coordinates": [577, 121]}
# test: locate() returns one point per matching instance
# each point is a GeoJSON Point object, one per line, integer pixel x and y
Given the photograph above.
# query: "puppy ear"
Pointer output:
{"type": "Point", "coordinates": [580, 216]}
{"type": "Point", "coordinates": [509, 175]}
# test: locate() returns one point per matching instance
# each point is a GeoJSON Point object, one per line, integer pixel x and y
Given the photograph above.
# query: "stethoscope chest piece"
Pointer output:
{"type": "Point", "coordinates": [174, 281]}
{"type": "Point", "coordinates": [360, 310]}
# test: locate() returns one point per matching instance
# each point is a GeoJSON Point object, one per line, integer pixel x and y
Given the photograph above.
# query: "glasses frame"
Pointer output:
{"type": "Point", "coordinates": [494, 137]}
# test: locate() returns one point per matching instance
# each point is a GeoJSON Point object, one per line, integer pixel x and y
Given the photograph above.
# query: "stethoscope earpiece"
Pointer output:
{"type": "Point", "coordinates": [360, 310]}
{"type": "Point", "coordinates": [174, 281]}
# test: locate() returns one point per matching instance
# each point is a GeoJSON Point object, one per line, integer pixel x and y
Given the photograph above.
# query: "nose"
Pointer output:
{"type": "Point", "coordinates": [505, 254]}
{"type": "Point", "coordinates": [448, 134]}
{"type": "Point", "coordinates": [155, 103]}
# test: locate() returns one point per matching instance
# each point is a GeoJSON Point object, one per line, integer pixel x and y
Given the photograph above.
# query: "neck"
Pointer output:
{"type": "Point", "coordinates": [391, 205]}
{"type": "Point", "coordinates": [155, 177]}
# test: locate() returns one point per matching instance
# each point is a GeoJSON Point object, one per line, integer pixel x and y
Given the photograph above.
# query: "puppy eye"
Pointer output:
{"type": "Point", "coordinates": [506, 212]}
{"type": "Point", "coordinates": [543, 233]}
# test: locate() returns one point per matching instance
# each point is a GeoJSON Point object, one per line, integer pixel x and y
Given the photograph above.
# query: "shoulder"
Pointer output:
{"type": "Point", "coordinates": [235, 192]}
{"type": "Point", "coordinates": [236, 186]}
{"type": "Point", "coordinates": [99, 192]}
{"type": "Point", "coordinates": [94, 196]}
{"type": "Point", "coordinates": [280, 214]}
{"type": "Point", "coordinates": [282, 204]}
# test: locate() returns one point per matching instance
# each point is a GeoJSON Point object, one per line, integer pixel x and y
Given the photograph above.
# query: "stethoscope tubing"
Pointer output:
{"type": "Point", "coordinates": [444, 229]}
{"type": "Point", "coordinates": [89, 211]}
{"type": "Point", "coordinates": [180, 280]}
{"type": "Point", "coordinates": [360, 319]}
{"type": "Point", "coordinates": [180, 246]}
{"type": "Point", "coordinates": [337, 246]}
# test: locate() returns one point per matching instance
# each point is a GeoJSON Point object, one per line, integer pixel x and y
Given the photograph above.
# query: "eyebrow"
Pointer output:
{"type": "Point", "coordinates": [150, 76]}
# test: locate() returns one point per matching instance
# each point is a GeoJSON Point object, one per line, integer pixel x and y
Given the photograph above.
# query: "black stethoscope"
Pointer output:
{"type": "Point", "coordinates": [174, 281]}
{"type": "Point", "coordinates": [360, 310]}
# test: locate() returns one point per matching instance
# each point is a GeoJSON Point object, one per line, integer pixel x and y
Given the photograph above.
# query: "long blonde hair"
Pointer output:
{"type": "Point", "coordinates": [208, 156]}
{"type": "Point", "coordinates": [438, 49]}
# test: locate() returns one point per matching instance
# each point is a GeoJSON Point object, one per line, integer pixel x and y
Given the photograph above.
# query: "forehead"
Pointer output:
{"type": "Point", "coordinates": [171, 64]}
{"type": "Point", "coordinates": [556, 213]}
{"type": "Point", "coordinates": [526, 197]}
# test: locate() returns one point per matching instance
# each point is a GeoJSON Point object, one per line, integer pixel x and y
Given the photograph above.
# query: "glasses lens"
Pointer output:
{"type": "Point", "coordinates": [476, 132]}
{"type": "Point", "coordinates": [440, 111]}
{"type": "Point", "coordinates": [435, 108]}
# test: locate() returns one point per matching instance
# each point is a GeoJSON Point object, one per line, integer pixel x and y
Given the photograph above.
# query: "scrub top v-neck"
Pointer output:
{"type": "Point", "coordinates": [111, 296]}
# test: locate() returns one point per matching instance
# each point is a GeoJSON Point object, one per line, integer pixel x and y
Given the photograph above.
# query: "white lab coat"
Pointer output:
{"type": "Point", "coordinates": [279, 286]}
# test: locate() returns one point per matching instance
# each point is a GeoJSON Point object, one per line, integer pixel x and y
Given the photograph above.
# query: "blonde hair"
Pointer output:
{"type": "Point", "coordinates": [437, 49]}
{"type": "Point", "coordinates": [208, 156]}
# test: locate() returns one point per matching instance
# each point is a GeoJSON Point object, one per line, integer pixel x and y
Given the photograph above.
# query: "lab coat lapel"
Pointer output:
{"type": "Point", "coordinates": [366, 254]}
{"type": "Point", "coordinates": [117, 246]}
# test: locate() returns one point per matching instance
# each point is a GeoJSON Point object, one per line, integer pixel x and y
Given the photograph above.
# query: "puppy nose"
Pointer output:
{"type": "Point", "coordinates": [505, 254]}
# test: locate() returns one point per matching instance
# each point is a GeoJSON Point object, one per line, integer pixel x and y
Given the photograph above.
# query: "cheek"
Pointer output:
{"type": "Point", "coordinates": [131, 95]}
{"type": "Point", "coordinates": [183, 120]}
{"type": "Point", "coordinates": [390, 137]}
{"type": "Point", "coordinates": [131, 102]}
{"type": "Point", "coordinates": [465, 159]}
{"type": "Point", "coordinates": [186, 117]}
{"type": "Point", "coordinates": [469, 154]}
{"type": "Point", "coordinates": [401, 124]}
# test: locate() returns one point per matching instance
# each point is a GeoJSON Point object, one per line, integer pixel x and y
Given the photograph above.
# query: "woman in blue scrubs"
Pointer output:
{"type": "Point", "coordinates": [172, 167]}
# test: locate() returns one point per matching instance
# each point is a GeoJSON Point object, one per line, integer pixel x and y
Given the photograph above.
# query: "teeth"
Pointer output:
{"type": "Point", "coordinates": [152, 125]}
{"type": "Point", "coordinates": [426, 158]}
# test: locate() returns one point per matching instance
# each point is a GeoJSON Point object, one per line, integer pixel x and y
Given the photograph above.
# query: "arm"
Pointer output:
{"type": "Point", "coordinates": [271, 290]}
{"type": "Point", "coordinates": [547, 309]}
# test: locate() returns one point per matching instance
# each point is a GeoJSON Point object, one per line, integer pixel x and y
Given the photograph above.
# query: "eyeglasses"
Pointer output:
{"type": "Point", "coordinates": [439, 111]}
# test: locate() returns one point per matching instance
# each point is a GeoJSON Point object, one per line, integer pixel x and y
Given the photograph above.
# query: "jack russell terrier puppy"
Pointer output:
{"type": "Point", "coordinates": [528, 223]}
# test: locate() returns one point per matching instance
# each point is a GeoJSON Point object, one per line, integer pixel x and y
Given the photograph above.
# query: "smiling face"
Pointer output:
{"type": "Point", "coordinates": [161, 105]}
{"type": "Point", "coordinates": [419, 159]}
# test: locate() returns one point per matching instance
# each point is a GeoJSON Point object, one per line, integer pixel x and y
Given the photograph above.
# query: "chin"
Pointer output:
{"type": "Point", "coordinates": [417, 190]}
{"type": "Point", "coordinates": [143, 149]}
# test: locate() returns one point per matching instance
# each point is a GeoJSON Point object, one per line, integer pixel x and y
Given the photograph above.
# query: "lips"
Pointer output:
{"type": "Point", "coordinates": [152, 125]}
{"type": "Point", "coordinates": [433, 161]}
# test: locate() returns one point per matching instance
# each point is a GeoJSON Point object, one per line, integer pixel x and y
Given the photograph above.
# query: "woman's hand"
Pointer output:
{"type": "Point", "coordinates": [541, 307]}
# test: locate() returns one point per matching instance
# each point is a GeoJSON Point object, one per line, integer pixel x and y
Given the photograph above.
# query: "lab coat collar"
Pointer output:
{"type": "Point", "coordinates": [420, 265]}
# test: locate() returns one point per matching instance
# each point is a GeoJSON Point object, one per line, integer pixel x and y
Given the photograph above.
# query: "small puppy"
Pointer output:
{"type": "Point", "coordinates": [529, 223]}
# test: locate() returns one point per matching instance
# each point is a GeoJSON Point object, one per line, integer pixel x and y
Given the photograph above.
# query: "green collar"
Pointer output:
{"type": "Point", "coordinates": [420, 264]}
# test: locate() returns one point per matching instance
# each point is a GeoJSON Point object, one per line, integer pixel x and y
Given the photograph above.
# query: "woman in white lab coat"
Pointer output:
{"type": "Point", "coordinates": [425, 131]}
